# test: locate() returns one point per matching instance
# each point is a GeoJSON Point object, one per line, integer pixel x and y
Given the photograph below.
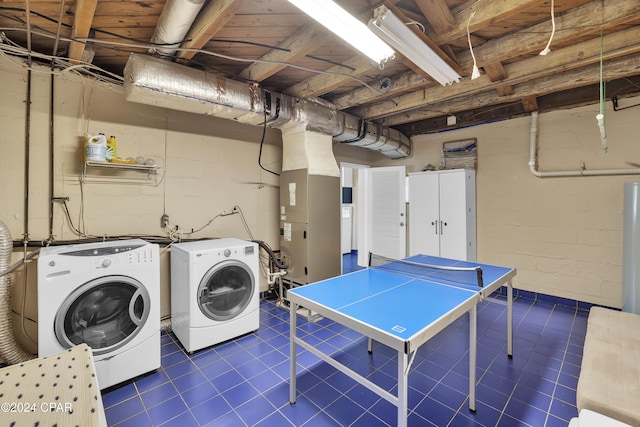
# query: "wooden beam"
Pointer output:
{"type": "Point", "coordinates": [613, 69]}
{"type": "Point", "coordinates": [530, 103]}
{"type": "Point", "coordinates": [496, 73]}
{"type": "Point", "coordinates": [211, 19]}
{"type": "Point", "coordinates": [82, 19]}
{"type": "Point", "coordinates": [307, 39]}
{"type": "Point", "coordinates": [498, 50]}
{"type": "Point", "coordinates": [582, 22]}
{"type": "Point", "coordinates": [573, 56]}
{"type": "Point", "coordinates": [569, 58]}
{"type": "Point", "coordinates": [330, 79]}
{"type": "Point", "coordinates": [487, 12]}
{"type": "Point", "coordinates": [438, 14]}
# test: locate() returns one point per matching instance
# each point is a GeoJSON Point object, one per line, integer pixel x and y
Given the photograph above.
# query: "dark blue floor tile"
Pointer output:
{"type": "Point", "coordinates": [255, 410]}
{"type": "Point", "coordinates": [240, 394]}
{"type": "Point", "coordinates": [210, 410]}
{"type": "Point", "coordinates": [167, 410]}
{"type": "Point", "coordinates": [300, 412]}
{"type": "Point", "coordinates": [275, 419]}
{"type": "Point", "coordinates": [434, 411]}
{"type": "Point", "coordinates": [199, 394]}
{"type": "Point", "coordinates": [140, 420]}
{"type": "Point", "coordinates": [118, 395]}
{"type": "Point", "coordinates": [124, 410]}
{"type": "Point", "coordinates": [152, 380]}
{"type": "Point", "coordinates": [185, 419]}
{"type": "Point", "coordinates": [189, 381]}
{"type": "Point", "coordinates": [526, 413]}
{"type": "Point", "coordinates": [343, 410]}
{"type": "Point", "coordinates": [158, 395]}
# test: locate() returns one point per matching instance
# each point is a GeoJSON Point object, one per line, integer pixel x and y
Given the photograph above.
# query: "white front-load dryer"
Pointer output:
{"type": "Point", "coordinates": [214, 291]}
{"type": "Point", "coordinates": [106, 295]}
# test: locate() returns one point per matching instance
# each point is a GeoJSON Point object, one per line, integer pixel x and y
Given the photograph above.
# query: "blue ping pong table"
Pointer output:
{"type": "Point", "coordinates": [399, 311]}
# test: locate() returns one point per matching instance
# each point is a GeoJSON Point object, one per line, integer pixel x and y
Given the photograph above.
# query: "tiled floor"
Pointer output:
{"type": "Point", "coordinates": [244, 382]}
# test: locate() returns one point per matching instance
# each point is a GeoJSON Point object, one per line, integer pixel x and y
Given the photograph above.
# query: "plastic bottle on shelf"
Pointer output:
{"type": "Point", "coordinates": [96, 148]}
{"type": "Point", "coordinates": [112, 152]}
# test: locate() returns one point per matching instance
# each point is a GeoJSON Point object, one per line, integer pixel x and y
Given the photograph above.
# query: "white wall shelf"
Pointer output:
{"type": "Point", "coordinates": [107, 172]}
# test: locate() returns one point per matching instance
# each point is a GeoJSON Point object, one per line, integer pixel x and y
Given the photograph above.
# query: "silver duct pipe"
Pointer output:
{"type": "Point", "coordinates": [161, 83]}
{"type": "Point", "coordinates": [10, 351]}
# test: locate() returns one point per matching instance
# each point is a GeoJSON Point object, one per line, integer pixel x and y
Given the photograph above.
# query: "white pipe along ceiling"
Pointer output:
{"type": "Point", "coordinates": [533, 149]}
{"type": "Point", "coordinates": [175, 20]}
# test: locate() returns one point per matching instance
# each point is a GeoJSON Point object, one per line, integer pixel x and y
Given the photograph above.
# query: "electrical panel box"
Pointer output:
{"type": "Point", "coordinates": [310, 226]}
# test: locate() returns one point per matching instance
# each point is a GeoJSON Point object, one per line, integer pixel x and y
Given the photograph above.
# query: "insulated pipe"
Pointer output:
{"type": "Point", "coordinates": [175, 21]}
{"type": "Point", "coordinates": [10, 351]}
{"type": "Point", "coordinates": [154, 81]}
{"type": "Point", "coordinates": [533, 137]}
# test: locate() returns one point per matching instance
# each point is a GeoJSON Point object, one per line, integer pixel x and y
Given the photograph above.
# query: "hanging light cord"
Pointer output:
{"type": "Point", "coordinates": [600, 118]}
{"type": "Point", "coordinates": [476, 72]}
{"type": "Point", "coordinates": [553, 31]}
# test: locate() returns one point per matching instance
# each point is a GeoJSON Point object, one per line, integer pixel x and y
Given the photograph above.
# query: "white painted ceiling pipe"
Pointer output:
{"type": "Point", "coordinates": [533, 138]}
{"type": "Point", "coordinates": [175, 21]}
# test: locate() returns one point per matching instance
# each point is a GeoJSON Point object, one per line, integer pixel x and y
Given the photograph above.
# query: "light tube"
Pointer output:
{"type": "Point", "coordinates": [395, 32]}
{"type": "Point", "coordinates": [348, 28]}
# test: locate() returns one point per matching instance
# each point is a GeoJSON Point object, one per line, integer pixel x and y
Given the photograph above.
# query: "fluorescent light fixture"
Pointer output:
{"type": "Point", "coordinates": [344, 25]}
{"type": "Point", "coordinates": [396, 33]}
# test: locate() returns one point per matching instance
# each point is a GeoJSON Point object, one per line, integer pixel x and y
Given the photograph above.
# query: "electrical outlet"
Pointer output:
{"type": "Point", "coordinates": [164, 220]}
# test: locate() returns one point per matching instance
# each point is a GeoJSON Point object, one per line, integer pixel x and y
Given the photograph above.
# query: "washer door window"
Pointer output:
{"type": "Point", "coordinates": [225, 291]}
{"type": "Point", "coordinates": [106, 313]}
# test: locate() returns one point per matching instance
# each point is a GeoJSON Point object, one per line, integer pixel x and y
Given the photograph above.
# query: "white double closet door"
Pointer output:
{"type": "Point", "coordinates": [442, 214]}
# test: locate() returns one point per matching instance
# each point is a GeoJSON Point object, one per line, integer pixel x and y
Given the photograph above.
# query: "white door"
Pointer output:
{"type": "Point", "coordinates": [384, 214]}
{"type": "Point", "coordinates": [424, 214]}
{"type": "Point", "coordinates": [453, 216]}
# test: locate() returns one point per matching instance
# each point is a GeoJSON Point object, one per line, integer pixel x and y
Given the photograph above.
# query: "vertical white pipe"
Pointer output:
{"type": "Point", "coordinates": [631, 249]}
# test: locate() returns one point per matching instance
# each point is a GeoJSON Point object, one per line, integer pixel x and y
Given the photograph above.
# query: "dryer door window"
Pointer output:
{"type": "Point", "coordinates": [106, 313]}
{"type": "Point", "coordinates": [225, 291]}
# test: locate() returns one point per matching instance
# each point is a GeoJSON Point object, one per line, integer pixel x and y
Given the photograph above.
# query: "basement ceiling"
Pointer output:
{"type": "Point", "coordinates": [272, 43]}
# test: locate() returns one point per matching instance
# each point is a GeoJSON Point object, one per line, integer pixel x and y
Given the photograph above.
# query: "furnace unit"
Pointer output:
{"type": "Point", "coordinates": [309, 226]}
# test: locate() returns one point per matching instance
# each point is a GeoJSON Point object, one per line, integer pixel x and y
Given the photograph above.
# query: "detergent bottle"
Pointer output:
{"type": "Point", "coordinates": [96, 149]}
{"type": "Point", "coordinates": [112, 152]}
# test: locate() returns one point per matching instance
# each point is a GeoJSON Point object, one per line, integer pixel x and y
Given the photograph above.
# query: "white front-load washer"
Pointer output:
{"type": "Point", "coordinates": [106, 295]}
{"type": "Point", "coordinates": [214, 291]}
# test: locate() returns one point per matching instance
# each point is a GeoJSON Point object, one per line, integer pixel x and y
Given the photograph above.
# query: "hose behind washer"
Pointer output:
{"type": "Point", "coordinates": [10, 351]}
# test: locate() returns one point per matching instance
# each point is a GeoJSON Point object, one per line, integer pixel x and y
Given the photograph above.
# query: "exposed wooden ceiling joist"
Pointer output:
{"type": "Point", "coordinates": [85, 11]}
{"type": "Point", "coordinates": [273, 43]}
